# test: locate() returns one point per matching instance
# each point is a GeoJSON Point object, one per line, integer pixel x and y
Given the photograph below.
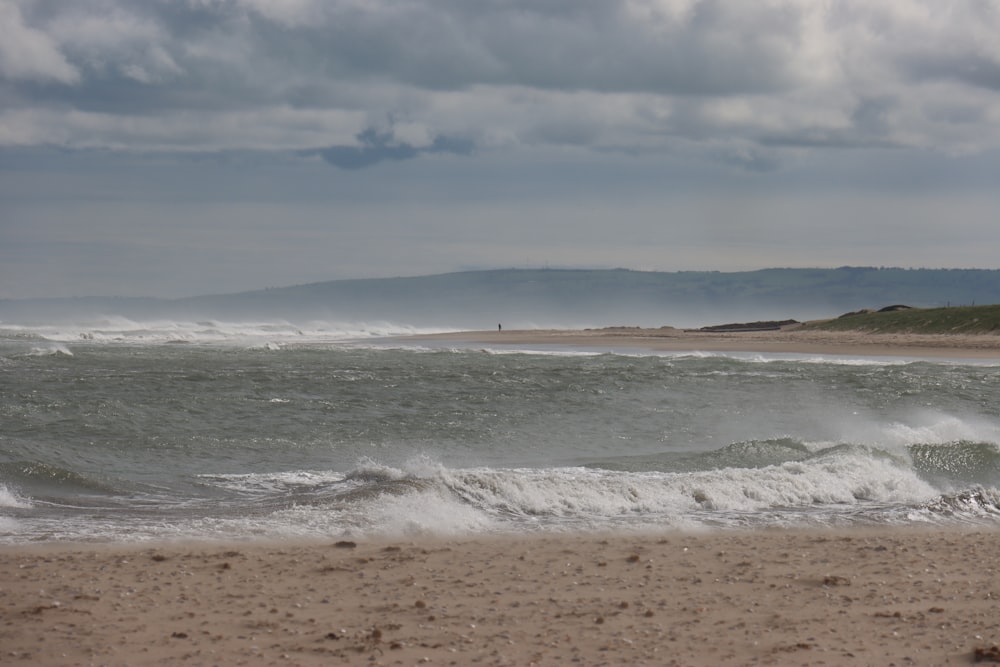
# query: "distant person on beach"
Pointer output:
{"type": "Point", "coordinates": [500, 327]}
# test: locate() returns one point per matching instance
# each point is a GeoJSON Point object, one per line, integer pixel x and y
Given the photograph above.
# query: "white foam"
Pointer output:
{"type": "Point", "coordinates": [277, 482]}
{"type": "Point", "coordinates": [583, 350]}
{"type": "Point", "coordinates": [447, 502]}
{"type": "Point", "coordinates": [427, 512]}
{"type": "Point", "coordinates": [50, 350]}
{"type": "Point", "coordinates": [839, 478]}
{"type": "Point", "coordinates": [267, 335]}
{"type": "Point", "coordinates": [9, 498]}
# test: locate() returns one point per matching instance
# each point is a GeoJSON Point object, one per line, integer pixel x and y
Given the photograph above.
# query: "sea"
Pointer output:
{"type": "Point", "coordinates": [117, 431]}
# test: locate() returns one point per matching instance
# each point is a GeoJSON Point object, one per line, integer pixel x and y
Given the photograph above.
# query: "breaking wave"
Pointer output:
{"type": "Point", "coordinates": [263, 334]}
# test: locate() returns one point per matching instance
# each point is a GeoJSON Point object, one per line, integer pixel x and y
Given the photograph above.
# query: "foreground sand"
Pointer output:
{"type": "Point", "coordinates": [668, 339]}
{"type": "Point", "coordinates": [892, 597]}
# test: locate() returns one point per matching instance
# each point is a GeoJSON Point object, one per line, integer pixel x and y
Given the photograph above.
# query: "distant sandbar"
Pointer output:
{"type": "Point", "coordinates": [787, 341]}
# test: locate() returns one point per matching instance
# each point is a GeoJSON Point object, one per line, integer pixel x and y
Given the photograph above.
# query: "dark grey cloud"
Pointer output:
{"type": "Point", "coordinates": [976, 69]}
{"type": "Point", "coordinates": [869, 126]}
{"type": "Point", "coordinates": [714, 48]}
{"type": "Point", "coordinates": [751, 158]}
{"type": "Point", "coordinates": [375, 146]}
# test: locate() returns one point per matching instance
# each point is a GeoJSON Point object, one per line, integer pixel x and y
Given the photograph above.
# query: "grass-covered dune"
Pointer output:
{"type": "Point", "coordinates": [952, 320]}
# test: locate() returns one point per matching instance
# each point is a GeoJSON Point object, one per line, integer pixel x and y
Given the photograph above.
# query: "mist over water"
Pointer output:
{"type": "Point", "coordinates": [122, 430]}
{"type": "Point", "coordinates": [517, 298]}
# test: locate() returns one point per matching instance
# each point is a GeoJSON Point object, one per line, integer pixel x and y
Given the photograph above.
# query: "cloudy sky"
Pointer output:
{"type": "Point", "coordinates": [179, 147]}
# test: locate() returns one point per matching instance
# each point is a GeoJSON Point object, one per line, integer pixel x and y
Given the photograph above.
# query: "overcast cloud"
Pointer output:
{"type": "Point", "coordinates": [174, 147]}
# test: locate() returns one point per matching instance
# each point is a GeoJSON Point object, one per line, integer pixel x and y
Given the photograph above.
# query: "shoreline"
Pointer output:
{"type": "Point", "coordinates": [874, 595]}
{"type": "Point", "coordinates": [866, 596]}
{"type": "Point", "coordinates": [784, 341]}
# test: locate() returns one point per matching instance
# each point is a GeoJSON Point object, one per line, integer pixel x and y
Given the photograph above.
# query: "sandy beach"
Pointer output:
{"type": "Point", "coordinates": [891, 597]}
{"type": "Point", "coordinates": [880, 596]}
{"type": "Point", "coordinates": [789, 340]}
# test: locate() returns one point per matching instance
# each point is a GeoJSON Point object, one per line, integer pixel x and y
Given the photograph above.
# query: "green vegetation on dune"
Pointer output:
{"type": "Point", "coordinates": [956, 320]}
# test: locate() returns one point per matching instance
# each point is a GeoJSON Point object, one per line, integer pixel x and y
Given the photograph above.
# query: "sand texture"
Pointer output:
{"type": "Point", "coordinates": [668, 339]}
{"type": "Point", "coordinates": [886, 597]}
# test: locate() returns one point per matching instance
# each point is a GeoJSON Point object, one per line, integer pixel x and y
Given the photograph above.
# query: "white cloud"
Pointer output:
{"type": "Point", "coordinates": [29, 54]}
{"type": "Point", "coordinates": [116, 41]}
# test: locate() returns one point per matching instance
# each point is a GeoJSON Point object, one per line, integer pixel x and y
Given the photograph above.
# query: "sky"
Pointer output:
{"type": "Point", "coordinates": [181, 147]}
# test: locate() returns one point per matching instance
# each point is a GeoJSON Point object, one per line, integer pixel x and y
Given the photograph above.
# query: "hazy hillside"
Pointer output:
{"type": "Point", "coordinates": [481, 299]}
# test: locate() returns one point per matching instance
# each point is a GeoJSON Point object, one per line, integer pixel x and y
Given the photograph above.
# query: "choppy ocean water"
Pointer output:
{"type": "Point", "coordinates": [125, 432]}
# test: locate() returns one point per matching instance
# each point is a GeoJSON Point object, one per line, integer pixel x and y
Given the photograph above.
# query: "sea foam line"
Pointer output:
{"type": "Point", "coordinates": [259, 333]}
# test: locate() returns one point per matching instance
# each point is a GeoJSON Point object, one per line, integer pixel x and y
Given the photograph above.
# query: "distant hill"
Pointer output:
{"type": "Point", "coordinates": [558, 297]}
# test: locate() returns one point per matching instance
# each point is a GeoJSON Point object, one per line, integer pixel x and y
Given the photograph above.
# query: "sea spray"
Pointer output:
{"type": "Point", "coordinates": [10, 498]}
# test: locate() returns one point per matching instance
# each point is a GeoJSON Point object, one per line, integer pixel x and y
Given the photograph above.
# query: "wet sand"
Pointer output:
{"type": "Point", "coordinates": [885, 597]}
{"type": "Point", "coordinates": [786, 341]}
